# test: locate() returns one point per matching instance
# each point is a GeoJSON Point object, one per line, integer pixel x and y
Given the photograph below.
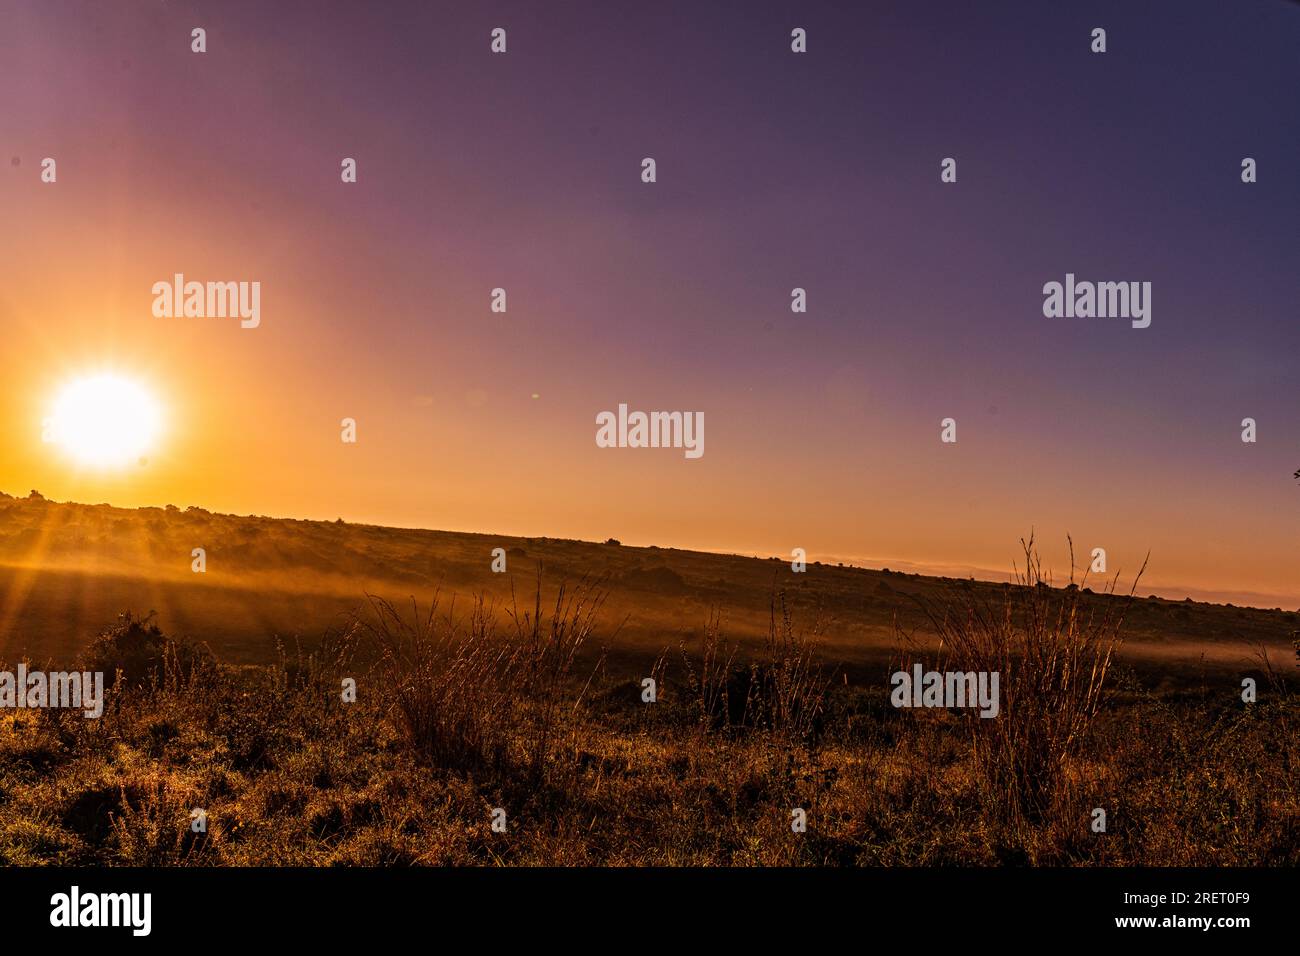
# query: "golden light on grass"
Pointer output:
{"type": "Point", "coordinates": [104, 421]}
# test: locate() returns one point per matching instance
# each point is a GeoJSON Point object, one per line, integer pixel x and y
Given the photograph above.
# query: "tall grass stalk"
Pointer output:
{"type": "Point", "coordinates": [1053, 654]}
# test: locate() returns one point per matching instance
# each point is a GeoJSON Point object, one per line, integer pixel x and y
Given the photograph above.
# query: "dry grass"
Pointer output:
{"type": "Point", "coordinates": [1053, 655]}
{"type": "Point", "coordinates": [783, 690]}
{"type": "Point", "coordinates": [456, 716]}
{"type": "Point", "coordinates": [452, 685]}
{"type": "Point", "coordinates": [470, 698]}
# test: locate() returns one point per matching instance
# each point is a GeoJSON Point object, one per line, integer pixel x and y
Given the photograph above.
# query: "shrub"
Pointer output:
{"type": "Point", "coordinates": [138, 650]}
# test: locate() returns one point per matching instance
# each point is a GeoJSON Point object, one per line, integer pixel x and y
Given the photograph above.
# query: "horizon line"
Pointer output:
{"type": "Point", "coordinates": [1212, 596]}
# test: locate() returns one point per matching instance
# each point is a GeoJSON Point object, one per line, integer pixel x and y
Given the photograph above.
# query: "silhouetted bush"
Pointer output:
{"type": "Point", "coordinates": [137, 647]}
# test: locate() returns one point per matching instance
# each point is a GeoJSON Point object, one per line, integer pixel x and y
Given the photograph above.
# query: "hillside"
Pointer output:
{"type": "Point", "coordinates": [67, 571]}
{"type": "Point", "coordinates": [461, 717]}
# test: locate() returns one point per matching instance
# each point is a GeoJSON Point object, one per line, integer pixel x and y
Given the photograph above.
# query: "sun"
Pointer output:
{"type": "Point", "coordinates": [104, 421]}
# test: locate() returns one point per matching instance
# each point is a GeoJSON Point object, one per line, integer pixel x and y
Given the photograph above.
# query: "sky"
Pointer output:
{"type": "Point", "coordinates": [775, 170]}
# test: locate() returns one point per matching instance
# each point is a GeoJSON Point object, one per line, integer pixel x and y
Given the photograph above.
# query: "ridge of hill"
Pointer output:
{"type": "Point", "coordinates": [67, 570]}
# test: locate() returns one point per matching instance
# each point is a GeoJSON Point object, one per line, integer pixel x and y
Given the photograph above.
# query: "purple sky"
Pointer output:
{"type": "Point", "coordinates": [775, 170]}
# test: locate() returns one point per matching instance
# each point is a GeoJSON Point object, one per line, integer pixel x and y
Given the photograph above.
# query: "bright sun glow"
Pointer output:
{"type": "Point", "coordinates": [104, 421]}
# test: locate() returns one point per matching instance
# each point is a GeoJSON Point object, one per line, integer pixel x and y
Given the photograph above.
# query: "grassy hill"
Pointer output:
{"type": "Point", "coordinates": [538, 710]}
{"type": "Point", "coordinates": [67, 571]}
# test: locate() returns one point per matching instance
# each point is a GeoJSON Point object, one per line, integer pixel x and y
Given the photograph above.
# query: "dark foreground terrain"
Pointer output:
{"type": "Point", "coordinates": [453, 730]}
{"type": "Point", "coordinates": [278, 717]}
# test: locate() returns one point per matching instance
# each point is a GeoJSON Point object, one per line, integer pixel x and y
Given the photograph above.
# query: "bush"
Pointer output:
{"type": "Point", "coordinates": [137, 648]}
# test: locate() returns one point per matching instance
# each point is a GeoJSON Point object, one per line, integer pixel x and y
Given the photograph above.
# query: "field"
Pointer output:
{"type": "Point", "coordinates": [518, 699]}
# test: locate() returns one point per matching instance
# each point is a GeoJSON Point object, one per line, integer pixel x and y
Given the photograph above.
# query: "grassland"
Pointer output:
{"type": "Point", "coordinates": [771, 695]}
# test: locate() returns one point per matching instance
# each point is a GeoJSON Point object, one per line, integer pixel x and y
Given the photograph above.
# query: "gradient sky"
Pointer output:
{"type": "Point", "coordinates": [775, 170]}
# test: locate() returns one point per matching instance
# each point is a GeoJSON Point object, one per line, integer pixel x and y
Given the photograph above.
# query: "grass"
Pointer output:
{"type": "Point", "coordinates": [1054, 655]}
{"type": "Point", "coordinates": [457, 714]}
{"type": "Point", "coordinates": [68, 569]}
